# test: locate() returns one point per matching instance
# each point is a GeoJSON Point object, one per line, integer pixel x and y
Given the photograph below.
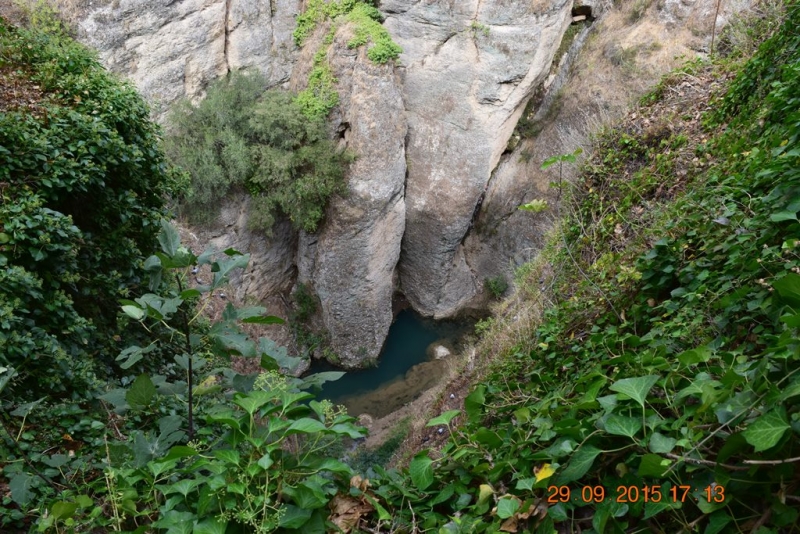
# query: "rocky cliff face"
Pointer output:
{"type": "Point", "coordinates": [447, 111]}
{"type": "Point", "coordinates": [351, 261]}
{"type": "Point", "coordinates": [468, 69]}
{"type": "Point", "coordinates": [171, 49]}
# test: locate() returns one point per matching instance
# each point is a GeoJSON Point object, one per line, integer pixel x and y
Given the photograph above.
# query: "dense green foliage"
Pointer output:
{"type": "Point", "coordinates": [242, 136]}
{"type": "Point", "coordinates": [231, 470]}
{"type": "Point", "coordinates": [82, 186]}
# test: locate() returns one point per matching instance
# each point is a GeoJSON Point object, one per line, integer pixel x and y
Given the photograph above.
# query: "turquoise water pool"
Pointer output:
{"type": "Point", "coordinates": [403, 372]}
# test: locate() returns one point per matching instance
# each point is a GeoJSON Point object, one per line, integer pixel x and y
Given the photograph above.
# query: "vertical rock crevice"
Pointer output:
{"type": "Point", "coordinates": [226, 45]}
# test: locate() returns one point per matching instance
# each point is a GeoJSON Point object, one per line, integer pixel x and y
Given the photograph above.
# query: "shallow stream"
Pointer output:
{"type": "Point", "coordinates": [404, 369]}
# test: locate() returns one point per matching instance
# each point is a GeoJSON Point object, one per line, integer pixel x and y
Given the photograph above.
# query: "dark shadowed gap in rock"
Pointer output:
{"type": "Point", "coordinates": [406, 368]}
{"type": "Point", "coordinates": [583, 11]}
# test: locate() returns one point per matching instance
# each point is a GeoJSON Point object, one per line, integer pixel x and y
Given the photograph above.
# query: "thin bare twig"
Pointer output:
{"type": "Point", "coordinates": [697, 461]}
{"type": "Point", "coordinates": [772, 462]}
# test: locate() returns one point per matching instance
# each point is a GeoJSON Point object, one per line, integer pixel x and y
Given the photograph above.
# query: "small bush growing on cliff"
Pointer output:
{"type": "Point", "coordinates": [243, 136]}
{"type": "Point", "coordinates": [496, 285]}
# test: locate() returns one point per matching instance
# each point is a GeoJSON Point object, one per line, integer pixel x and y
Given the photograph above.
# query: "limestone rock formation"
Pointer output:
{"type": "Point", "coordinates": [172, 49]}
{"type": "Point", "coordinates": [350, 262]}
{"type": "Point", "coordinates": [469, 68]}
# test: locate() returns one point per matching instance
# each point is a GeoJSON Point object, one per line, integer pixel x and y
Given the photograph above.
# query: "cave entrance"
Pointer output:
{"type": "Point", "coordinates": [582, 13]}
{"type": "Point", "coordinates": [406, 367]}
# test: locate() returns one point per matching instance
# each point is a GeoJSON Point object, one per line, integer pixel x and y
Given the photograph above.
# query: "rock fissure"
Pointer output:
{"type": "Point", "coordinates": [228, 30]}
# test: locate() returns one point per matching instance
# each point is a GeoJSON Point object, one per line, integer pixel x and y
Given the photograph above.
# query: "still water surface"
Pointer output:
{"type": "Point", "coordinates": [403, 372]}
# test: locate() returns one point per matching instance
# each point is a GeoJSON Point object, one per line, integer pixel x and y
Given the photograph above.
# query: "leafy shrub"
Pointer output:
{"type": "Point", "coordinates": [243, 136]}
{"type": "Point", "coordinates": [82, 184]}
{"type": "Point", "coordinates": [496, 285]}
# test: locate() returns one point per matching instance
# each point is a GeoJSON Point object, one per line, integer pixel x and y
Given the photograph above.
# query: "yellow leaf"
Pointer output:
{"type": "Point", "coordinates": [485, 492]}
{"type": "Point", "coordinates": [543, 472]}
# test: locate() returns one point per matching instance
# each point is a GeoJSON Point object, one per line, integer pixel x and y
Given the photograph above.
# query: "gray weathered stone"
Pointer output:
{"type": "Point", "coordinates": [469, 68]}
{"type": "Point", "coordinates": [174, 49]}
{"type": "Point", "coordinates": [351, 260]}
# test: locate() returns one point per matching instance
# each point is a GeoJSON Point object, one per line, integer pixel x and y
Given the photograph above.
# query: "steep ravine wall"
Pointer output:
{"type": "Point", "coordinates": [468, 69]}
{"type": "Point", "coordinates": [428, 133]}
{"type": "Point", "coordinates": [173, 48]}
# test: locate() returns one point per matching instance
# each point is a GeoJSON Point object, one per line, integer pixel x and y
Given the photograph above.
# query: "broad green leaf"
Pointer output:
{"type": "Point", "coordinates": [421, 471]}
{"type": "Point", "coordinates": [228, 456]}
{"type": "Point", "coordinates": [211, 526]}
{"type": "Point", "coordinates": [63, 509]}
{"type": "Point", "coordinates": [785, 215]}
{"type": "Point", "coordinates": [176, 522]}
{"type": "Point", "coordinates": [695, 356]}
{"type": "Point", "coordinates": [264, 319]}
{"type": "Point", "coordinates": [443, 496]}
{"type": "Point", "coordinates": [444, 419]}
{"type": "Point", "coordinates": [257, 315]}
{"type": "Point", "coordinates": [184, 487]}
{"type": "Point", "coordinates": [278, 353]}
{"type": "Point", "coordinates": [169, 238]}
{"type": "Point", "coordinates": [474, 402]}
{"type": "Point", "coordinates": [661, 444]}
{"type": "Point", "coordinates": [134, 312]}
{"type": "Point", "coordinates": [84, 501]}
{"type": "Point", "coordinates": [23, 410]}
{"type": "Point", "coordinates": [305, 425]}
{"type": "Point", "coordinates": [557, 512]}
{"type": "Point", "coordinates": [383, 515]}
{"type": "Point", "coordinates": [579, 464]}
{"type": "Point", "coordinates": [20, 486]}
{"type": "Point", "coordinates": [488, 437]}
{"type": "Point", "coordinates": [620, 425]}
{"type": "Point", "coordinates": [717, 522]}
{"type": "Point", "coordinates": [178, 452]}
{"type": "Point", "coordinates": [347, 429]}
{"type": "Point", "coordinates": [223, 267]}
{"type": "Point", "coordinates": [187, 294]}
{"type": "Point", "coordinates": [228, 339]}
{"type": "Point", "coordinates": [635, 388]}
{"type": "Point", "coordinates": [791, 390]}
{"type": "Point", "coordinates": [317, 379]}
{"type": "Point", "coordinates": [765, 432]}
{"type": "Point", "coordinates": [334, 466]}
{"type": "Point", "coordinates": [653, 465]}
{"type": "Point", "coordinates": [788, 288]}
{"type": "Point", "coordinates": [294, 517]}
{"type": "Point", "coordinates": [507, 507]}
{"type": "Point", "coordinates": [132, 355]}
{"type": "Point", "coordinates": [307, 495]}
{"type": "Point", "coordinates": [141, 392]}
{"type": "Point", "coordinates": [266, 462]}
{"type": "Point", "coordinates": [525, 483]}
{"type": "Point", "coordinates": [153, 263]}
